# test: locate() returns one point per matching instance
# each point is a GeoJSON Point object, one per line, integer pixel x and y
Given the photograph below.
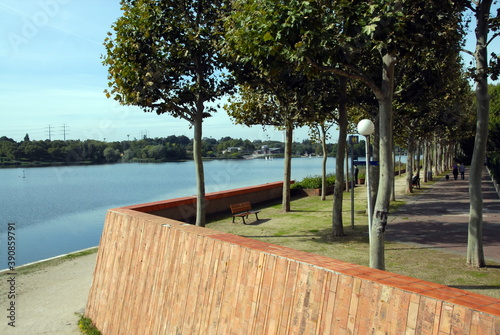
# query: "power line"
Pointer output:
{"type": "Point", "coordinates": [64, 126]}
{"type": "Point", "coordinates": [50, 132]}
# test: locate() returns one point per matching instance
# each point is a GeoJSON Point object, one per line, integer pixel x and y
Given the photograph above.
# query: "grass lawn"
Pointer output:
{"type": "Point", "coordinates": [308, 228]}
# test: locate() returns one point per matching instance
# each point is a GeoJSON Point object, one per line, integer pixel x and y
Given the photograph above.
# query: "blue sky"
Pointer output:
{"type": "Point", "coordinates": [52, 79]}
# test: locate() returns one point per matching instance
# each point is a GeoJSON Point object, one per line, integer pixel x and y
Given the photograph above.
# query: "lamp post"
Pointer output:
{"type": "Point", "coordinates": [366, 128]}
{"type": "Point", "coordinates": [352, 140]}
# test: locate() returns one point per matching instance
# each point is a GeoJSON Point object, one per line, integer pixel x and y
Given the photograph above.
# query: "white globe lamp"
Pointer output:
{"type": "Point", "coordinates": [366, 127]}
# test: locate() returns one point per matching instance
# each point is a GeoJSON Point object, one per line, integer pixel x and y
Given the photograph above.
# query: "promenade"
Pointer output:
{"type": "Point", "coordinates": [438, 217]}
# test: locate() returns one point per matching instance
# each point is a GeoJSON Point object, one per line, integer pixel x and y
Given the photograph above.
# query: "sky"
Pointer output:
{"type": "Point", "coordinates": [52, 79]}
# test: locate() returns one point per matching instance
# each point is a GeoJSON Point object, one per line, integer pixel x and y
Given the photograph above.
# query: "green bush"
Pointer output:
{"type": "Point", "coordinates": [87, 327]}
{"type": "Point", "coordinates": [362, 174]}
{"type": "Point", "coordinates": [314, 182]}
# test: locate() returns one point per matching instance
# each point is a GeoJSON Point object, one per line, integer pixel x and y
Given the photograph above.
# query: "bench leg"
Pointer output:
{"type": "Point", "coordinates": [256, 217]}
{"type": "Point", "coordinates": [244, 219]}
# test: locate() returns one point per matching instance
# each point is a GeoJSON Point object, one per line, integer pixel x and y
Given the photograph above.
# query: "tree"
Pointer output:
{"type": "Point", "coordinates": [276, 91]}
{"type": "Point", "coordinates": [163, 57]}
{"type": "Point", "coordinates": [394, 29]}
{"type": "Point", "coordinates": [111, 155]}
{"type": "Point", "coordinates": [254, 105]}
{"type": "Point", "coordinates": [333, 36]}
{"type": "Point", "coordinates": [432, 96]}
{"type": "Point", "coordinates": [484, 22]}
{"type": "Point", "coordinates": [329, 98]}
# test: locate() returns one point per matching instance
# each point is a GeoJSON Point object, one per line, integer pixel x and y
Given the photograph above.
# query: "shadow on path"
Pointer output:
{"type": "Point", "coordinates": [438, 218]}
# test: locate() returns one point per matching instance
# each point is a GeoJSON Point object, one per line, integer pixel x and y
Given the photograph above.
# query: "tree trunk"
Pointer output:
{"type": "Point", "coordinates": [323, 163]}
{"type": "Point", "coordinates": [418, 159]}
{"type": "Point", "coordinates": [409, 162]}
{"type": "Point", "coordinates": [426, 160]}
{"type": "Point", "coordinates": [381, 211]}
{"type": "Point", "coordinates": [287, 167]}
{"type": "Point", "coordinates": [200, 175]}
{"type": "Point", "coordinates": [475, 253]}
{"type": "Point", "coordinates": [439, 157]}
{"type": "Point", "coordinates": [337, 224]}
{"type": "Point", "coordinates": [374, 169]}
{"type": "Point", "coordinates": [393, 188]}
{"type": "Point", "coordinates": [435, 168]}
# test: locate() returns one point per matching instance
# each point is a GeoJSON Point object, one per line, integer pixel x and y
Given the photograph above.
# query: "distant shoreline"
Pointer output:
{"type": "Point", "coordinates": [60, 164]}
{"type": "Point", "coordinates": [18, 164]}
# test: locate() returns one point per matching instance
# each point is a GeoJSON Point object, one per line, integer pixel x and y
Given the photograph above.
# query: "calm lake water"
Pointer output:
{"type": "Point", "coordinates": [57, 210]}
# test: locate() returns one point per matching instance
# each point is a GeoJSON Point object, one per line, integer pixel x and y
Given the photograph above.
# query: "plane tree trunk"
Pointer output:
{"type": "Point", "coordinates": [337, 224]}
{"type": "Point", "coordinates": [475, 253]}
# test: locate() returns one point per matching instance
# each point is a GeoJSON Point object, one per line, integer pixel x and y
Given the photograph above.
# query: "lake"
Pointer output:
{"type": "Point", "coordinates": [57, 210]}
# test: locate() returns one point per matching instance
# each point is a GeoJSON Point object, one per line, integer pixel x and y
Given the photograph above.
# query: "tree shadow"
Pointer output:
{"type": "Point", "coordinates": [324, 236]}
{"type": "Point", "coordinates": [256, 222]}
{"type": "Point", "coordinates": [476, 287]}
{"type": "Point", "coordinates": [307, 211]}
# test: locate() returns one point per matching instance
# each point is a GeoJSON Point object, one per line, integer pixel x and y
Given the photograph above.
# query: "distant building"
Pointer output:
{"type": "Point", "coordinates": [231, 150]}
{"type": "Point", "coordinates": [275, 150]}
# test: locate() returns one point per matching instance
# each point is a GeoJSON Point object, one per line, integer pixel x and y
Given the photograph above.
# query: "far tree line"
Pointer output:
{"type": "Point", "coordinates": [170, 148]}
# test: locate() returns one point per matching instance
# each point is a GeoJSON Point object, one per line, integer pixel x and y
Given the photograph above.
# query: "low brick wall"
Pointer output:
{"type": "Point", "coordinates": [184, 209]}
{"type": "Point", "coordinates": [155, 275]}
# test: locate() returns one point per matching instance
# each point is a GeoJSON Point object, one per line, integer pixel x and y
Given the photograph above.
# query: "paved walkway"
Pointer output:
{"type": "Point", "coordinates": [438, 217]}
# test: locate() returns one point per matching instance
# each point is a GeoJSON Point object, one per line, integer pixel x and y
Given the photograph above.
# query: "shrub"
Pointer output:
{"type": "Point", "coordinates": [87, 327]}
{"type": "Point", "coordinates": [362, 174]}
{"type": "Point", "coordinates": [314, 182]}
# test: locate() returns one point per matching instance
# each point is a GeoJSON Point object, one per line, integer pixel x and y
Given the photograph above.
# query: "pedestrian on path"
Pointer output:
{"type": "Point", "coordinates": [461, 168]}
{"type": "Point", "coordinates": [455, 171]}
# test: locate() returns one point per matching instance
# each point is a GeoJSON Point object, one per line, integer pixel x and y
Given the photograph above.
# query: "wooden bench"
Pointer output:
{"type": "Point", "coordinates": [243, 209]}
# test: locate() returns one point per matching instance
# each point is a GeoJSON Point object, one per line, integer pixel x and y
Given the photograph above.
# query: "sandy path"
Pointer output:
{"type": "Point", "coordinates": [48, 298]}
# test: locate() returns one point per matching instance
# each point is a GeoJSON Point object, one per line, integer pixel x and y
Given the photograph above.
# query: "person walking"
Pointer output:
{"type": "Point", "coordinates": [455, 171]}
{"type": "Point", "coordinates": [461, 169]}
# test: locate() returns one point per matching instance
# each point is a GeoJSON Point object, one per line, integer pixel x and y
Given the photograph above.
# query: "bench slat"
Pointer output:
{"type": "Point", "coordinates": [243, 209]}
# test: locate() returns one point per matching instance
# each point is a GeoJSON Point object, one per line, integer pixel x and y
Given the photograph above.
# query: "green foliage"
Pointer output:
{"type": "Point", "coordinates": [87, 327]}
{"type": "Point", "coordinates": [314, 182]}
{"type": "Point", "coordinates": [493, 163]}
{"type": "Point", "coordinates": [494, 124]}
{"type": "Point", "coordinates": [163, 57]}
{"type": "Point", "coordinates": [273, 89]}
{"type": "Point", "coordinates": [362, 174]}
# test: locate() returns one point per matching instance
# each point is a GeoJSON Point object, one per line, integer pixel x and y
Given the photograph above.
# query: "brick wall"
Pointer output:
{"type": "Point", "coordinates": [184, 209]}
{"type": "Point", "coordinates": [159, 276]}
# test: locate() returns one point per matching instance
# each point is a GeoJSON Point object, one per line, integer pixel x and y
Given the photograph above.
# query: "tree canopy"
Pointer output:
{"type": "Point", "coordinates": [338, 37]}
